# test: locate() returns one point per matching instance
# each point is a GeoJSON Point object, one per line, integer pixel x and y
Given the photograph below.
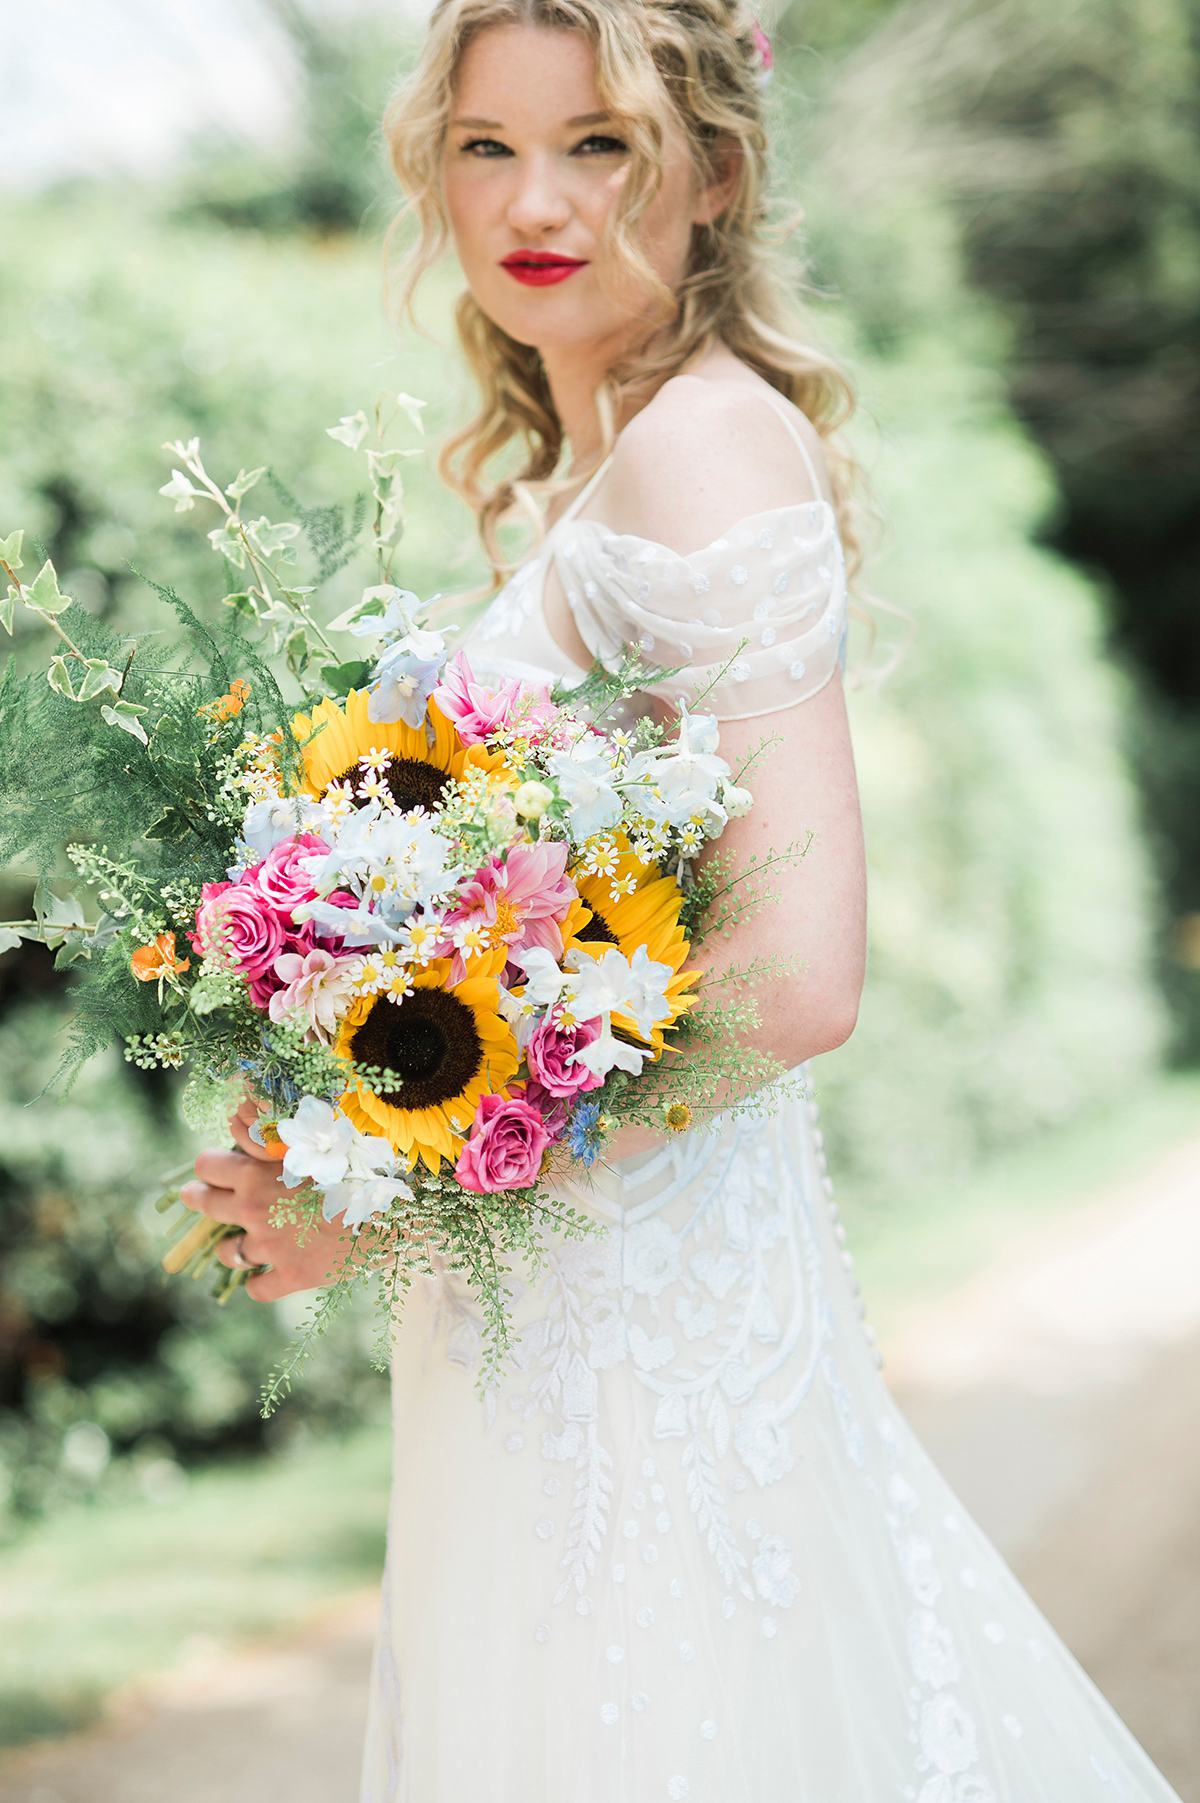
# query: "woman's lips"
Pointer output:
{"type": "Point", "coordinates": [538, 268]}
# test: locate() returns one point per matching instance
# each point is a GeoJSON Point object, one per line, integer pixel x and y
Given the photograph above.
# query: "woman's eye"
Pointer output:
{"type": "Point", "coordinates": [485, 147]}
{"type": "Point", "coordinates": [599, 144]}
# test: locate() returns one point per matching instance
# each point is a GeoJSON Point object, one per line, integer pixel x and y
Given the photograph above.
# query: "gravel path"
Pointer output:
{"type": "Point", "coordinates": [1060, 1393]}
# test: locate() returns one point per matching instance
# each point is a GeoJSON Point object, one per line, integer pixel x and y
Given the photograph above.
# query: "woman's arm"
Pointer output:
{"type": "Point", "coordinates": [702, 456]}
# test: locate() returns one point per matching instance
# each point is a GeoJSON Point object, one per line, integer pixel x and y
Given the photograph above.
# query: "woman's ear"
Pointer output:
{"type": "Point", "coordinates": [725, 166]}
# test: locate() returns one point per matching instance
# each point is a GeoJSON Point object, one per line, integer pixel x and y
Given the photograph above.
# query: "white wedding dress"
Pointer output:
{"type": "Point", "coordinates": [689, 1548]}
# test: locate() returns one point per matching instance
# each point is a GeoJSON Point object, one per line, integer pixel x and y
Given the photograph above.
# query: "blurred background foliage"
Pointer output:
{"type": "Point", "coordinates": [1002, 223]}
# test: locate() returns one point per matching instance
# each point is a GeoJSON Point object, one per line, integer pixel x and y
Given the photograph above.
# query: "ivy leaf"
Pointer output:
{"type": "Point", "coordinates": [298, 650]}
{"type": "Point", "coordinates": [100, 676]}
{"type": "Point", "coordinates": [59, 678]}
{"type": "Point", "coordinates": [341, 678]}
{"type": "Point", "coordinates": [43, 592]}
{"type": "Point", "coordinates": [227, 539]}
{"type": "Point", "coordinates": [388, 489]}
{"type": "Point", "coordinates": [174, 824]}
{"type": "Point", "coordinates": [10, 549]}
{"type": "Point", "coordinates": [9, 941]}
{"type": "Point", "coordinates": [269, 539]}
{"type": "Point", "coordinates": [350, 430]}
{"type": "Point", "coordinates": [409, 404]}
{"type": "Point", "coordinates": [6, 608]}
{"type": "Point", "coordinates": [71, 950]}
{"type": "Point", "coordinates": [125, 715]}
{"type": "Point", "coordinates": [58, 910]}
{"type": "Point", "coordinates": [243, 482]}
{"type": "Point", "coordinates": [241, 603]}
{"type": "Point", "coordinates": [106, 932]}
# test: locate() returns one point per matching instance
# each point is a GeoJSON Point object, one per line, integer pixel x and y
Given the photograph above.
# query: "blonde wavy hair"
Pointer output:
{"type": "Point", "coordinates": [700, 58]}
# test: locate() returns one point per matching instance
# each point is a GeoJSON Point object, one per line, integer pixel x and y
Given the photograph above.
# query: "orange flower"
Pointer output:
{"type": "Point", "coordinates": [227, 707]}
{"type": "Point", "coordinates": [151, 963]}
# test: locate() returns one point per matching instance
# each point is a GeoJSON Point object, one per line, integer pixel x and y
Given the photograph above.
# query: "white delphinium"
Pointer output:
{"type": "Point", "coordinates": [585, 782]}
{"type": "Point", "coordinates": [371, 1185]}
{"type": "Point", "coordinates": [278, 817]}
{"type": "Point", "coordinates": [320, 1144]}
{"type": "Point", "coordinates": [682, 781]}
{"type": "Point", "coordinates": [410, 660]}
{"type": "Point", "coordinates": [396, 863]}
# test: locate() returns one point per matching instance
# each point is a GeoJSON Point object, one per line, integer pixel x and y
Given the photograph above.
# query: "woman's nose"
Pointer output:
{"type": "Point", "coordinates": [540, 203]}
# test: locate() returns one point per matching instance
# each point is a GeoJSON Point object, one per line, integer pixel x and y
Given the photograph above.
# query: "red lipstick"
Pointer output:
{"type": "Point", "coordinates": [539, 268]}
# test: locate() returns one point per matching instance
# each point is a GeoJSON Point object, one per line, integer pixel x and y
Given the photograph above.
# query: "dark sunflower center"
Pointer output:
{"type": "Point", "coordinates": [429, 1040]}
{"type": "Point", "coordinates": [597, 929]}
{"type": "Point", "coordinates": [413, 784]}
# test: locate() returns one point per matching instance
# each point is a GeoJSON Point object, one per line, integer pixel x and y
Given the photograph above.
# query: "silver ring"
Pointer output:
{"type": "Point", "coordinates": [239, 1261]}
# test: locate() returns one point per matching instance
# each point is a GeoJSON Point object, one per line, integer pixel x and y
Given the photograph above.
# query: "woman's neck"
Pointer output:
{"type": "Point", "coordinates": [574, 378]}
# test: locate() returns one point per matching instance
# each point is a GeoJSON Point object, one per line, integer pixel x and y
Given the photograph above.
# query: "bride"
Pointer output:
{"type": "Point", "coordinates": [687, 1548]}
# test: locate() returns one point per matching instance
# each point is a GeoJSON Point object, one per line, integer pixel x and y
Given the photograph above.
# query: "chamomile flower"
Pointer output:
{"type": "Point", "coordinates": [418, 938]}
{"type": "Point", "coordinates": [367, 975]}
{"type": "Point", "coordinates": [375, 761]}
{"type": "Point", "coordinates": [601, 858]}
{"type": "Point", "coordinates": [374, 787]}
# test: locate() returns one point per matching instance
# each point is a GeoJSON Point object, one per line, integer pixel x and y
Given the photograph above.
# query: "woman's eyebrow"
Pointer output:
{"type": "Point", "coordinates": [498, 124]}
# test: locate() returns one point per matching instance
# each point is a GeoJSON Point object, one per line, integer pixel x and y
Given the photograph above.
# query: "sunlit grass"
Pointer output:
{"type": "Point", "coordinates": [100, 1595]}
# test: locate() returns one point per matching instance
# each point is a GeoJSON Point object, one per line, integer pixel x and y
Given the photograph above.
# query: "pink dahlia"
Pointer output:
{"type": "Point", "coordinates": [517, 903]}
{"type": "Point", "coordinates": [478, 712]}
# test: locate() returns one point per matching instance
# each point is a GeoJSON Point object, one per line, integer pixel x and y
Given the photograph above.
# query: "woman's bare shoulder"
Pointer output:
{"type": "Point", "coordinates": [705, 453]}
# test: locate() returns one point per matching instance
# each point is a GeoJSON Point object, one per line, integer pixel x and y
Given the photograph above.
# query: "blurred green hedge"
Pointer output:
{"type": "Point", "coordinates": [1010, 982]}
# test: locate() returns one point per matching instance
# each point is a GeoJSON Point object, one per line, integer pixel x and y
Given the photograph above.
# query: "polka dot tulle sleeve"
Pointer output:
{"type": "Point", "coordinates": [756, 621]}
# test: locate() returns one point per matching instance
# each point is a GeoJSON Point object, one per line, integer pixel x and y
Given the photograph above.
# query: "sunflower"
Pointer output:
{"type": "Point", "coordinates": [645, 912]}
{"type": "Point", "coordinates": [448, 1046]}
{"type": "Point", "coordinates": [421, 765]}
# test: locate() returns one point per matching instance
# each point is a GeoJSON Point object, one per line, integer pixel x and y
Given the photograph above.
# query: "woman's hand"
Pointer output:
{"type": "Point", "coordinates": [241, 1187]}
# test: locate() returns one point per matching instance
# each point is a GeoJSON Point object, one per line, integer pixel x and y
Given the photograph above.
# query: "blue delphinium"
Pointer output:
{"type": "Point", "coordinates": [583, 1133]}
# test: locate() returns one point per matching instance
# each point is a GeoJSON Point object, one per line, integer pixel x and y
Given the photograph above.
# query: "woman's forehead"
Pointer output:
{"type": "Point", "coordinates": [552, 69]}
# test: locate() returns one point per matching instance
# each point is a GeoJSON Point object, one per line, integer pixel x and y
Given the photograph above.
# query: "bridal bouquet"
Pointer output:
{"type": "Point", "coordinates": [438, 927]}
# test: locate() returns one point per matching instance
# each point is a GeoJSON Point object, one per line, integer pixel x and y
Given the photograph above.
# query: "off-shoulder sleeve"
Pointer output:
{"type": "Point", "coordinates": [757, 619]}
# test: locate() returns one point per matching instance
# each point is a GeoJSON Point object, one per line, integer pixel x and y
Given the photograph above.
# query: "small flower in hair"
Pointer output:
{"type": "Point", "coordinates": [762, 46]}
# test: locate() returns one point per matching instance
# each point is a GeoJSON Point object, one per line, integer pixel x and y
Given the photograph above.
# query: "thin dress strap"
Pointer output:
{"type": "Point", "coordinates": [588, 489]}
{"type": "Point", "coordinates": [778, 405]}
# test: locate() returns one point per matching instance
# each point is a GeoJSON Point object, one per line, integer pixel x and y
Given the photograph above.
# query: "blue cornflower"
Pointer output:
{"type": "Point", "coordinates": [583, 1134]}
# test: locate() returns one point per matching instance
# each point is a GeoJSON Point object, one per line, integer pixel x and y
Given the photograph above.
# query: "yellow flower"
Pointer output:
{"type": "Point", "coordinates": [419, 770]}
{"type": "Point", "coordinates": [449, 1046]}
{"type": "Point", "coordinates": [648, 916]}
{"type": "Point", "coordinates": [678, 1117]}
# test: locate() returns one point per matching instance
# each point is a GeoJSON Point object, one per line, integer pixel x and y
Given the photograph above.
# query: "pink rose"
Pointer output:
{"type": "Point", "coordinates": [237, 924]}
{"type": "Point", "coordinates": [479, 712]}
{"type": "Point", "coordinates": [282, 878]}
{"type": "Point", "coordinates": [551, 1050]}
{"type": "Point", "coordinates": [505, 1148]}
{"type": "Point", "coordinates": [554, 1110]}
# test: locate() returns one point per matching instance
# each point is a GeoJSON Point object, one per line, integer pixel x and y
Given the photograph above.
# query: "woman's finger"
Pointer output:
{"type": "Point", "coordinates": [226, 1170]}
{"type": "Point", "coordinates": [241, 1249]}
{"type": "Point", "coordinates": [269, 1286]}
{"type": "Point", "coordinates": [209, 1199]}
